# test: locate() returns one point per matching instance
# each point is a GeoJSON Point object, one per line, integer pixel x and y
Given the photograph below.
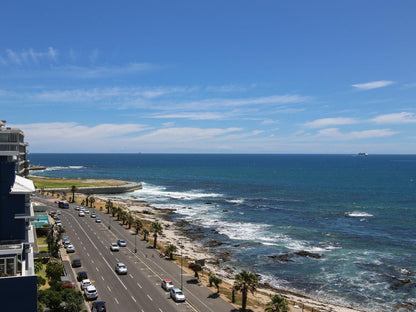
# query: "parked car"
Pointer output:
{"type": "Point", "coordinates": [93, 215]}
{"type": "Point", "coordinates": [177, 294]}
{"type": "Point", "coordinates": [98, 220]}
{"type": "Point", "coordinates": [76, 263]}
{"type": "Point", "coordinates": [121, 268]}
{"type": "Point", "coordinates": [70, 249]}
{"type": "Point", "coordinates": [90, 292]}
{"type": "Point", "coordinates": [85, 283]}
{"type": "Point", "coordinates": [122, 243]}
{"type": "Point", "coordinates": [81, 214]}
{"type": "Point", "coordinates": [65, 239]}
{"type": "Point", "coordinates": [98, 306]}
{"type": "Point", "coordinates": [67, 243]}
{"type": "Point", "coordinates": [167, 284]}
{"type": "Point", "coordinates": [114, 247]}
{"type": "Point", "coordinates": [81, 276]}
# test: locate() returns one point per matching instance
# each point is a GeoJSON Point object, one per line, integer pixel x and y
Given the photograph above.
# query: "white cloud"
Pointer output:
{"type": "Point", "coordinates": [192, 116]}
{"type": "Point", "coordinates": [325, 122]}
{"type": "Point", "coordinates": [373, 84]}
{"type": "Point", "coordinates": [396, 118]}
{"type": "Point", "coordinates": [336, 134]}
{"type": "Point", "coordinates": [29, 56]}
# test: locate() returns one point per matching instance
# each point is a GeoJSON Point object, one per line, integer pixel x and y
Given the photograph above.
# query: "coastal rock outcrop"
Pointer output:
{"type": "Point", "coordinates": [288, 257]}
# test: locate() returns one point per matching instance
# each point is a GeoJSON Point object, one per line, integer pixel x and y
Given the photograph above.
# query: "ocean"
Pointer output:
{"type": "Point", "coordinates": [338, 228]}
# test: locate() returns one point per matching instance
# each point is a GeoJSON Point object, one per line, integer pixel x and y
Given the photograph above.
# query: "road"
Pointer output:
{"type": "Point", "coordinates": [140, 289]}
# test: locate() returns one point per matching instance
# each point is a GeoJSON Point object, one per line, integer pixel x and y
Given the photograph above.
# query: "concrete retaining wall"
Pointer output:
{"type": "Point", "coordinates": [115, 189]}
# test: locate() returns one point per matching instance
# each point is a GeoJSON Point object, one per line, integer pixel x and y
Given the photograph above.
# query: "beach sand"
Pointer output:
{"type": "Point", "coordinates": [174, 234]}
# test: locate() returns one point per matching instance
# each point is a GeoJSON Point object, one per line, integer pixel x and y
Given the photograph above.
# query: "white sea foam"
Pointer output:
{"type": "Point", "coordinates": [54, 168]}
{"type": "Point", "coordinates": [358, 214]}
{"type": "Point", "coordinates": [238, 201]}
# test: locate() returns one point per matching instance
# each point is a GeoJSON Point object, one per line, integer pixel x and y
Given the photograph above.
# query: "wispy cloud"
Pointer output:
{"type": "Point", "coordinates": [373, 84]}
{"type": "Point", "coordinates": [325, 122]}
{"type": "Point", "coordinates": [191, 116]}
{"type": "Point", "coordinates": [395, 118]}
{"type": "Point", "coordinates": [336, 134]}
{"type": "Point", "coordinates": [28, 57]}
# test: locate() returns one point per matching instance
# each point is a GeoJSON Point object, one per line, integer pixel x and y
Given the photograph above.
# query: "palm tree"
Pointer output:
{"type": "Point", "coordinates": [130, 220]}
{"type": "Point", "coordinates": [119, 213]}
{"type": "Point", "coordinates": [113, 210]}
{"type": "Point", "coordinates": [123, 216]}
{"type": "Point", "coordinates": [278, 304]}
{"type": "Point", "coordinates": [145, 233]}
{"type": "Point", "coordinates": [73, 190]}
{"type": "Point", "coordinates": [216, 280]}
{"type": "Point", "coordinates": [92, 201]}
{"type": "Point", "coordinates": [138, 225]}
{"type": "Point", "coordinates": [108, 206]}
{"type": "Point", "coordinates": [170, 250]}
{"type": "Point", "coordinates": [157, 229]}
{"type": "Point", "coordinates": [244, 282]}
{"type": "Point", "coordinates": [196, 267]}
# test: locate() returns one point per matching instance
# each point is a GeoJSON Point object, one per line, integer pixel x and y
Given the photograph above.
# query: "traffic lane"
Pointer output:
{"type": "Point", "coordinates": [146, 286]}
{"type": "Point", "coordinates": [109, 287]}
{"type": "Point", "coordinates": [143, 279]}
{"type": "Point", "coordinates": [196, 296]}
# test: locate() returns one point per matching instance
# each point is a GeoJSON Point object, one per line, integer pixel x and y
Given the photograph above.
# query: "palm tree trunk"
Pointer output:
{"type": "Point", "coordinates": [244, 303]}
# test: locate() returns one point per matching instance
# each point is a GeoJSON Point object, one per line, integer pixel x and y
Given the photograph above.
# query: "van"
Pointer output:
{"type": "Point", "coordinates": [63, 204]}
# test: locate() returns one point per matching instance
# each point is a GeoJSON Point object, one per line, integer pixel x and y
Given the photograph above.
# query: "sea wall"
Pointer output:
{"type": "Point", "coordinates": [115, 189]}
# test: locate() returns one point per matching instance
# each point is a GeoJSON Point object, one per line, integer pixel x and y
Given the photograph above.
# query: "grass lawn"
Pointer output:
{"type": "Point", "coordinates": [42, 182]}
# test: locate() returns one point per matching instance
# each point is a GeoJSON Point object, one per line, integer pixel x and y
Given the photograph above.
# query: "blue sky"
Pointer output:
{"type": "Point", "coordinates": [210, 76]}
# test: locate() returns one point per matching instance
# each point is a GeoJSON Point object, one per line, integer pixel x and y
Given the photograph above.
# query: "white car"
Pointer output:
{"type": "Point", "coordinates": [86, 211]}
{"type": "Point", "coordinates": [167, 284]}
{"type": "Point", "coordinates": [114, 247]}
{"type": "Point", "coordinates": [90, 292]}
{"type": "Point", "coordinates": [70, 249]}
{"type": "Point", "coordinates": [177, 294]}
{"type": "Point", "coordinates": [121, 268]}
{"type": "Point", "coordinates": [81, 214]}
{"type": "Point", "coordinates": [85, 283]}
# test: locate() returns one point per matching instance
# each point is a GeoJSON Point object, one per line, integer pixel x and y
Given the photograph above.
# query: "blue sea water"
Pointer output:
{"type": "Point", "coordinates": [357, 213]}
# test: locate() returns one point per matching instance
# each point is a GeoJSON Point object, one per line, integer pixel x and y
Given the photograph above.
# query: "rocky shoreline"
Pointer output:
{"type": "Point", "coordinates": [195, 244]}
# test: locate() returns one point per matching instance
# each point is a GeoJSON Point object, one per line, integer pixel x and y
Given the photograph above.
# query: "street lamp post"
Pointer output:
{"type": "Point", "coordinates": [135, 247]}
{"type": "Point", "coordinates": [181, 266]}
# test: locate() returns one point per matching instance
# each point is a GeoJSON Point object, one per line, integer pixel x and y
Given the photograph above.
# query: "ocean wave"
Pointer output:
{"type": "Point", "coordinates": [161, 192]}
{"type": "Point", "coordinates": [237, 201]}
{"type": "Point", "coordinates": [358, 214]}
{"type": "Point", "coordinates": [54, 168]}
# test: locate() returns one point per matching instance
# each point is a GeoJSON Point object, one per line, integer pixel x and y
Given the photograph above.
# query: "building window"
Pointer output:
{"type": "Point", "coordinates": [8, 266]}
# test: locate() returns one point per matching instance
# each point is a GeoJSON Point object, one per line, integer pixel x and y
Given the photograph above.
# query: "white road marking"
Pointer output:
{"type": "Point", "coordinates": [116, 300]}
{"type": "Point", "coordinates": [139, 285]}
{"type": "Point", "coordinates": [131, 275]}
{"type": "Point", "coordinates": [133, 299]}
{"type": "Point", "coordinates": [149, 298]}
{"type": "Point", "coordinates": [109, 289]}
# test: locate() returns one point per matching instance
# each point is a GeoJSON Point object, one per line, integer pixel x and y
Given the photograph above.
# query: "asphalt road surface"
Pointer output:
{"type": "Point", "coordinates": [140, 290]}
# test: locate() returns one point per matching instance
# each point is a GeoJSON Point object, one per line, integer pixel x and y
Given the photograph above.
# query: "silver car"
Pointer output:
{"type": "Point", "coordinates": [90, 292]}
{"type": "Point", "coordinates": [121, 268]}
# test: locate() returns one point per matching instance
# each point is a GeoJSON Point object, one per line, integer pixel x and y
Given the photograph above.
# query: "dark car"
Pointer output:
{"type": "Point", "coordinates": [76, 263]}
{"type": "Point", "coordinates": [81, 276]}
{"type": "Point", "coordinates": [98, 306]}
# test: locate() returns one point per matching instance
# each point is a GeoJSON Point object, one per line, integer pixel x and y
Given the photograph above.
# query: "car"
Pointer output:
{"type": "Point", "coordinates": [86, 211]}
{"type": "Point", "coordinates": [70, 249]}
{"type": "Point", "coordinates": [67, 243]}
{"type": "Point", "coordinates": [98, 220]}
{"type": "Point", "coordinates": [98, 306]}
{"type": "Point", "coordinates": [58, 223]}
{"type": "Point", "coordinates": [76, 263]}
{"type": "Point", "coordinates": [90, 292]}
{"type": "Point", "coordinates": [114, 247]}
{"type": "Point", "coordinates": [85, 283]}
{"type": "Point", "coordinates": [121, 268]}
{"type": "Point", "coordinates": [167, 284]}
{"type": "Point", "coordinates": [177, 294]}
{"type": "Point", "coordinates": [93, 215]}
{"type": "Point", "coordinates": [65, 239]}
{"type": "Point", "coordinates": [81, 214]}
{"type": "Point", "coordinates": [81, 275]}
{"type": "Point", "coordinates": [77, 207]}
{"type": "Point", "coordinates": [58, 212]}
{"type": "Point", "coordinates": [122, 243]}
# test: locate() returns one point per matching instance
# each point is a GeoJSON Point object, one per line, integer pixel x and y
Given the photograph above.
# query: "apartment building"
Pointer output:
{"type": "Point", "coordinates": [18, 287]}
